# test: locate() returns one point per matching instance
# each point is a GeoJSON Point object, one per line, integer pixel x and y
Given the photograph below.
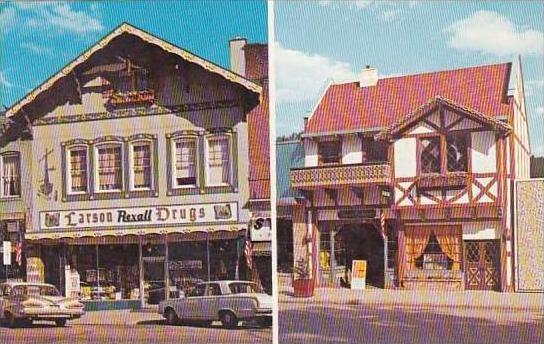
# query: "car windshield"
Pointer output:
{"type": "Point", "coordinates": [243, 288]}
{"type": "Point", "coordinates": [35, 290]}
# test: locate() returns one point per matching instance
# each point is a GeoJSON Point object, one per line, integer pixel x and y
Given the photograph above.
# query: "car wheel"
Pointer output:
{"type": "Point", "coordinates": [228, 319]}
{"type": "Point", "coordinates": [13, 322]}
{"type": "Point", "coordinates": [60, 322]}
{"type": "Point", "coordinates": [171, 317]}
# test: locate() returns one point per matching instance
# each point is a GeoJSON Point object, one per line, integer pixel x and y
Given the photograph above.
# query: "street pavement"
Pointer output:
{"type": "Point", "coordinates": [131, 327]}
{"type": "Point", "coordinates": [399, 316]}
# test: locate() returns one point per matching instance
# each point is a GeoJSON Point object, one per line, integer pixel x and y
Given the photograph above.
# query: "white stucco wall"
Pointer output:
{"type": "Point", "coordinates": [351, 150]}
{"type": "Point", "coordinates": [310, 153]}
{"type": "Point", "coordinates": [481, 230]}
{"type": "Point", "coordinates": [405, 157]}
{"type": "Point", "coordinates": [484, 153]}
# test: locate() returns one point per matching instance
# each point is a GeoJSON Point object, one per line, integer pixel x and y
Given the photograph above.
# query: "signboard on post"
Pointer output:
{"type": "Point", "coordinates": [358, 274]}
{"type": "Point", "coordinates": [6, 246]}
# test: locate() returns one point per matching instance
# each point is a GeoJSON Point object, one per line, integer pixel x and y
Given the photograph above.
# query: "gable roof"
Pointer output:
{"type": "Point", "coordinates": [433, 105]}
{"type": "Point", "coordinates": [147, 37]}
{"type": "Point", "coordinates": [347, 107]}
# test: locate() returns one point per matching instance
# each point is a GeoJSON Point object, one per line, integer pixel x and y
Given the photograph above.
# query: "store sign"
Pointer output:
{"type": "Point", "coordinates": [261, 230]}
{"type": "Point", "coordinates": [170, 215]}
{"type": "Point", "coordinates": [6, 248]}
{"type": "Point", "coordinates": [358, 274]}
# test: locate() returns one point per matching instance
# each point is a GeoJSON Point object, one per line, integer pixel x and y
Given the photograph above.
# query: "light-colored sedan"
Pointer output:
{"type": "Point", "coordinates": [227, 301]}
{"type": "Point", "coordinates": [21, 303]}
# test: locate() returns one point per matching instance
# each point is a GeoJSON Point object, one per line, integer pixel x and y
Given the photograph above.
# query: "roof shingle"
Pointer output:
{"type": "Point", "coordinates": [348, 107]}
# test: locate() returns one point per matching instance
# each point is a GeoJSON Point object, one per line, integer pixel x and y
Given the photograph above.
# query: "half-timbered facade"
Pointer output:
{"type": "Point", "coordinates": [414, 174]}
{"type": "Point", "coordinates": [140, 179]}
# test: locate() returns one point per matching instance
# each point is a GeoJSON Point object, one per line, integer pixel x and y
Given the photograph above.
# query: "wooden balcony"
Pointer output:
{"type": "Point", "coordinates": [338, 175]}
{"type": "Point", "coordinates": [119, 99]}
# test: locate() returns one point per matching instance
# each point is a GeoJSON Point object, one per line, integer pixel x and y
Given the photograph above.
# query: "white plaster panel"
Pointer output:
{"type": "Point", "coordinates": [351, 150]}
{"type": "Point", "coordinates": [485, 199]}
{"type": "Point", "coordinates": [462, 200]}
{"type": "Point", "coordinates": [481, 230]}
{"type": "Point", "coordinates": [310, 153]}
{"type": "Point", "coordinates": [421, 128]}
{"type": "Point", "coordinates": [405, 157]}
{"type": "Point", "coordinates": [426, 200]}
{"type": "Point", "coordinates": [484, 155]}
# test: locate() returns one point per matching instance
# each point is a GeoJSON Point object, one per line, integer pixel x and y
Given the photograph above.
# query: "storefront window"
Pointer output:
{"type": "Point", "coordinates": [436, 249]}
{"type": "Point", "coordinates": [106, 272]}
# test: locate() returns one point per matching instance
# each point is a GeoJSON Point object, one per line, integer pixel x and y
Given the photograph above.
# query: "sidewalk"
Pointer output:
{"type": "Point", "coordinates": [472, 299]}
{"type": "Point", "coordinates": [116, 317]}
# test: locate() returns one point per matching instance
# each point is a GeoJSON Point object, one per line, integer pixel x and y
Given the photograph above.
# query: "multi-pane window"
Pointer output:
{"type": "Point", "coordinates": [330, 152]}
{"type": "Point", "coordinates": [135, 80]}
{"type": "Point", "coordinates": [10, 175]}
{"type": "Point", "coordinates": [142, 168]}
{"type": "Point", "coordinates": [218, 160]}
{"type": "Point", "coordinates": [430, 155]}
{"type": "Point", "coordinates": [110, 167]}
{"type": "Point", "coordinates": [457, 153]}
{"type": "Point", "coordinates": [185, 167]}
{"type": "Point", "coordinates": [78, 170]}
{"type": "Point", "coordinates": [434, 249]}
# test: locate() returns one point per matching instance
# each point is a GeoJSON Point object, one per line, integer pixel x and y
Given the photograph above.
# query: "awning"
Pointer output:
{"type": "Point", "coordinates": [193, 231]}
{"type": "Point", "coordinates": [262, 248]}
{"type": "Point", "coordinates": [12, 216]}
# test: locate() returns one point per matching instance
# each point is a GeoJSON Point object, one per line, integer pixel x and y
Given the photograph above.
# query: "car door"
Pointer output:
{"type": "Point", "coordinates": [209, 304]}
{"type": "Point", "coordinates": [190, 307]}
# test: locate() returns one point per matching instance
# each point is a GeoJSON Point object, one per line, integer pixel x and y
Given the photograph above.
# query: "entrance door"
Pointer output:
{"type": "Point", "coordinates": [154, 286]}
{"type": "Point", "coordinates": [482, 265]}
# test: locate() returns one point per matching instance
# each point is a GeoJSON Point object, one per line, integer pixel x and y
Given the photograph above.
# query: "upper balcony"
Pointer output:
{"type": "Point", "coordinates": [373, 172]}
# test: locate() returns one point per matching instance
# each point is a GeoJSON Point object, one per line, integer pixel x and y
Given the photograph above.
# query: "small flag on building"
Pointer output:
{"type": "Point", "coordinates": [382, 225]}
{"type": "Point", "coordinates": [19, 249]}
{"type": "Point", "coordinates": [248, 251]}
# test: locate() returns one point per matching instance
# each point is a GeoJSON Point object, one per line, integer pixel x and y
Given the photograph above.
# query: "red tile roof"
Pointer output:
{"type": "Point", "coordinates": [348, 107]}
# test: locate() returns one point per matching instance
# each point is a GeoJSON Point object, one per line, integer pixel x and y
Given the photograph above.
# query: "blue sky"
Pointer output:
{"type": "Point", "coordinates": [319, 40]}
{"type": "Point", "coordinates": [38, 38]}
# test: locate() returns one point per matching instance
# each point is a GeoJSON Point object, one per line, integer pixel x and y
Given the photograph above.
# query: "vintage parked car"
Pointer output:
{"type": "Point", "coordinates": [227, 301]}
{"type": "Point", "coordinates": [21, 303]}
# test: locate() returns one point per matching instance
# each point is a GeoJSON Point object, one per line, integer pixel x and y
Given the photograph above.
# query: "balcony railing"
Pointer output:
{"type": "Point", "coordinates": [357, 174]}
{"type": "Point", "coordinates": [130, 98]}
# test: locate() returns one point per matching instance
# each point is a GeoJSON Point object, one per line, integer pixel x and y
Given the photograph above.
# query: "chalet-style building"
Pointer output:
{"type": "Point", "coordinates": [140, 171]}
{"type": "Point", "coordinates": [414, 174]}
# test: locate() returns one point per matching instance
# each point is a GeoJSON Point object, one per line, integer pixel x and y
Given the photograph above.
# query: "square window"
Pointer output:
{"type": "Point", "coordinates": [457, 153]}
{"type": "Point", "coordinates": [110, 168]}
{"type": "Point", "coordinates": [330, 152]}
{"type": "Point", "coordinates": [430, 155]}
{"type": "Point", "coordinates": [218, 160]}
{"type": "Point", "coordinates": [142, 168]}
{"type": "Point", "coordinates": [78, 170]}
{"type": "Point", "coordinates": [10, 176]}
{"type": "Point", "coordinates": [185, 163]}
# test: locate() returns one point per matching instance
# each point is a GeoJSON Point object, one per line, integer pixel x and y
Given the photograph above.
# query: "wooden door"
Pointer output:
{"type": "Point", "coordinates": [482, 265]}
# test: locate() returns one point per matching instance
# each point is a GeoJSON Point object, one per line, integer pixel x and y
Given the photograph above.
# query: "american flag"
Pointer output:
{"type": "Point", "coordinates": [382, 225]}
{"type": "Point", "coordinates": [248, 251]}
{"type": "Point", "coordinates": [19, 250]}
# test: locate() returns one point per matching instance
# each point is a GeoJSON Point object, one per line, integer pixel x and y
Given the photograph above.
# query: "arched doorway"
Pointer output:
{"type": "Point", "coordinates": [361, 241]}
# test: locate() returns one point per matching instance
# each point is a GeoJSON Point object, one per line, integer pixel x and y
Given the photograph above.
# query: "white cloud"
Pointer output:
{"type": "Point", "coordinates": [363, 3]}
{"type": "Point", "coordinates": [325, 2]}
{"type": "Point", "coordinates": [4, 82]}
{"type": "Point", "coordinates": [58, 17]}
{"type": "Point", "coordinates": [37, 49]}
{"type": "Point", "coordinates": [300, 76]}
{"type": "Point", "coordinates": [539, 110]}
{"type": "Point", "coordinates": [389, 15]}
{"type": "Point", "coordinates": [8, 18]}
{"type": "Point", "coordinates": [491, 33]}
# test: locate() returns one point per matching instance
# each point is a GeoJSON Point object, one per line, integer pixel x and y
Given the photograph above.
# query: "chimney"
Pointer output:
{"type": "Point", "coordinates": [369, 77]}
{"type": "Point", "coordinates": [305, 123]}
{"type": "Point", "coordinates": [237, 55]}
